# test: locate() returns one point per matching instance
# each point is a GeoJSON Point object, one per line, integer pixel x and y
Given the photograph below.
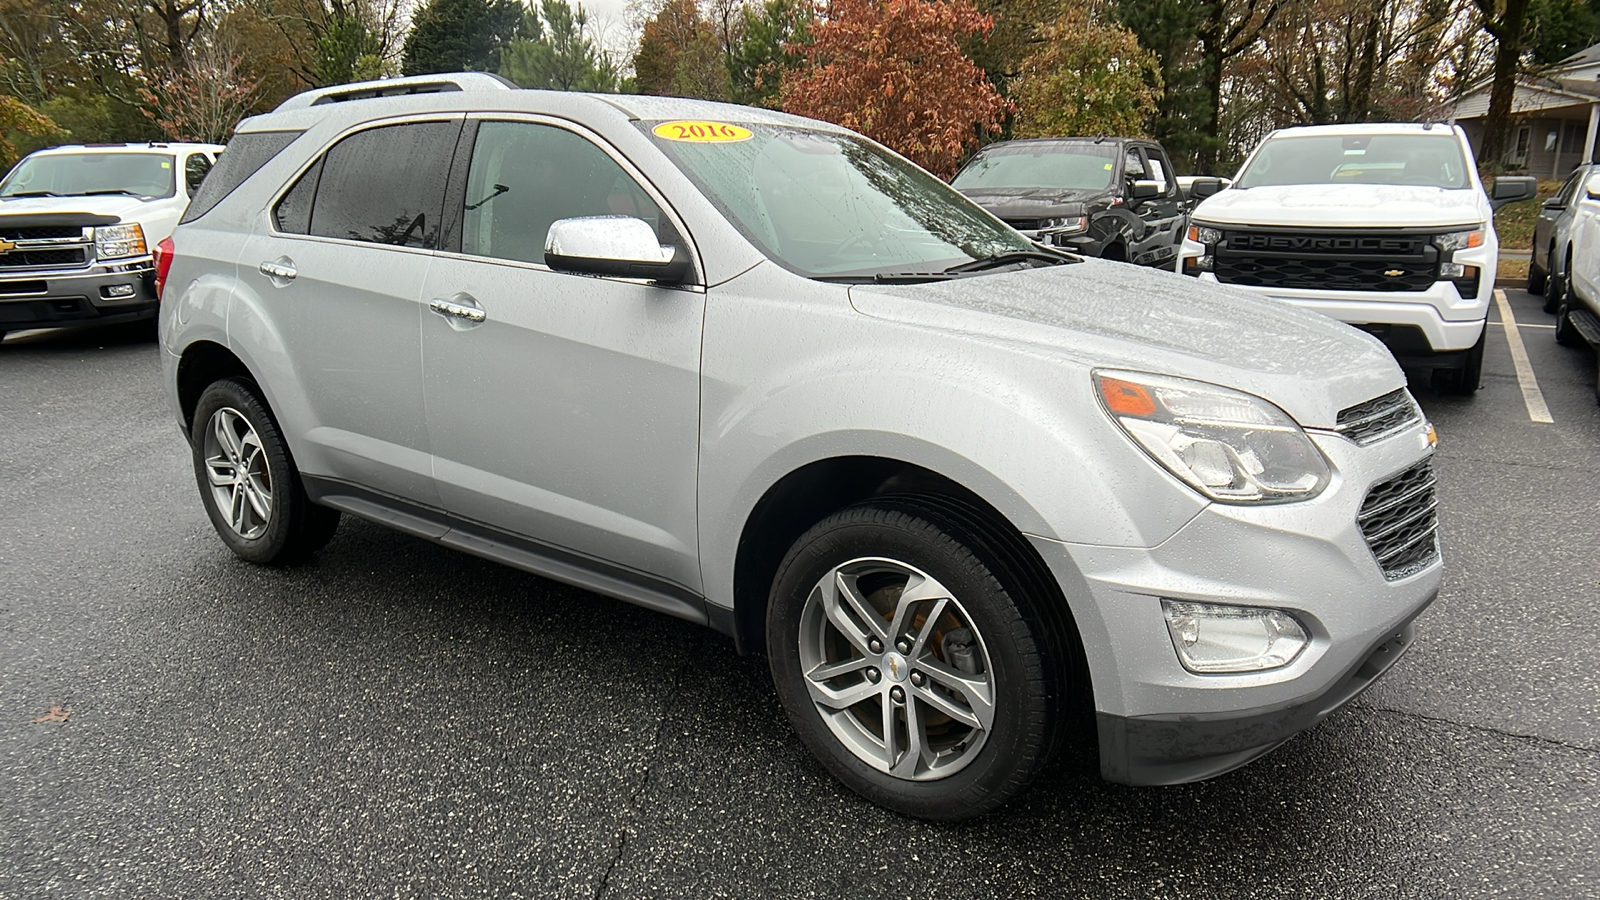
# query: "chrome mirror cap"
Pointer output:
{"type": "Point", "coordinates": [618, 246]}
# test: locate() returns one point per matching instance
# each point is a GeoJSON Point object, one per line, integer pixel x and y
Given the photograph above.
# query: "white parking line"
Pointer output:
{"type": "Point", "coordinates": [1531, 395]}
{"type": "Point", "coordinates": [1521, 325]}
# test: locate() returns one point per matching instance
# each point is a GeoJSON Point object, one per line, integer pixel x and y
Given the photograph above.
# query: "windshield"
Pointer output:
{"type": "Point", "coordinates": [824, 204]}
{"type": "Point", "coordinates": [77, 174]}
{"type": "Point", "coordinates": [1431, 160]}
{"type": "Point", "coordinates": [1052, 166]}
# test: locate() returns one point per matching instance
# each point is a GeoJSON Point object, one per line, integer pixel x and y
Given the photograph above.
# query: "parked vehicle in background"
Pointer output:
{"type": "Point", "coordinates": [1552, 230]}
{"type": "Point", "coordinates": [976, 499]}
{"type": "Point", "coordinates": [1386, 227]}
{"type": "Point", "coordinates": [1115, 198]}
{"type": "Point", "coordinates": [78, 225]}
{"type": "Point", "coordinates": [1577, 281]}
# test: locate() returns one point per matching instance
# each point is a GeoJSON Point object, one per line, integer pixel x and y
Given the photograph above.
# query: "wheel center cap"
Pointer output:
{"type": "Point", "coordinates": [895, 667]}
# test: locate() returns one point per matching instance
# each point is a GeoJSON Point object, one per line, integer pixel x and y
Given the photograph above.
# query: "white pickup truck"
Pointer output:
{"type": "Point", "coordinates": [1577, 295]}
{"type": "Point", "coordinates": [78, 225]}
{"type": "Point", "coordinates": [1385, 227]}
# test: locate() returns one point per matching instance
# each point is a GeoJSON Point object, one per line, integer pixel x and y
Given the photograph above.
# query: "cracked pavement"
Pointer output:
{"type": "Point", "coordinates": [402, 720]}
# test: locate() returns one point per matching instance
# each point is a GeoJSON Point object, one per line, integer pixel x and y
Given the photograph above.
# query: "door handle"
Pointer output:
{"type": "Point", "coordinates": [281, 270]}
{"type": "Point", "coordinates": [459, 306]}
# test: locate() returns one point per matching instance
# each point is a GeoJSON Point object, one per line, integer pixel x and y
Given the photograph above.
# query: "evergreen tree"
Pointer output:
{"type": "Point", "coordinates": [763, 53]}
{"type": "Point", "coordinates": [460, 35]}
{"type": "Point", "coordinates": [557, 53]}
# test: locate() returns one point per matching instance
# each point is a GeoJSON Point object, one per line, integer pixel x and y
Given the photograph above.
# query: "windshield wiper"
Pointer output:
{"type": "Point", "coordinates": [1006, 259]}
{"type": "Point", "coordinates": [34, 194]}
{"type": "Point", "coordinates": [107, 191]}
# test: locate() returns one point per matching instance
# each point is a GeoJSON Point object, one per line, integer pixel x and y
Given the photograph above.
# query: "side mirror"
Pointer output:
{"type": "Point", "coordinates": [1204, 187]}
{"type": "Point", "coordinates": [1512, 189]}
{"type": "Point", "coordinates": [1146, 190]}
{"type": "Point", "coordinates": [618, 246]}
{"type": "Point", "coordinates": [1554, 203]}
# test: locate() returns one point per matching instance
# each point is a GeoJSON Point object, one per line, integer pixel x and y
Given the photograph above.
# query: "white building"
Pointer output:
{"type": "Point", "coordinates": [1554, 116]}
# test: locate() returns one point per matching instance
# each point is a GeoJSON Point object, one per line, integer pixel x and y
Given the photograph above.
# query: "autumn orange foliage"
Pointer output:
{"type": "Point", "coordinates": [893, 70]}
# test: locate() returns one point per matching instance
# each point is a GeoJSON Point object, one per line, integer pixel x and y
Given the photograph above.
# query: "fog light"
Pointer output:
{"type": "Point", "coordinates": [1194, 265]}
{"type": "Point", "coordinates": [1211, 638]}
{"type": "Point", "coordinates": [1452, 270]}
{"type": "Point", "coordinates": [116, 291]}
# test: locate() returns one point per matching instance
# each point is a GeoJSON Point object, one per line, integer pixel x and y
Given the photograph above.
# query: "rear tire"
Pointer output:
{"type": "Point", "coordinates": [247, 479]}
{"type": "Point", "coordinates": [973, 717]}
{"type": "Point", "coordinates": [1536, 277]}
{"type": "Point", "coordinates": [1554, 287]}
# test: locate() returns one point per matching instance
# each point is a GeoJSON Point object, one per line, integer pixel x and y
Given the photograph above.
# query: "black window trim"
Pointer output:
{"type": "Point", "coordinates": [322, 151]}
{"type": "Point", "coordinates": [456, 191]}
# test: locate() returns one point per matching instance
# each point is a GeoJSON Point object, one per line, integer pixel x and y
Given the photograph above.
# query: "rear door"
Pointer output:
{"type": "Point", "coordinates": [339, 261]}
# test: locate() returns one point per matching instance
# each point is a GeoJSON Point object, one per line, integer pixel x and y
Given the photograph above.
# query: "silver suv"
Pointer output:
{"type": "Point", "coordinates": [976, 499]}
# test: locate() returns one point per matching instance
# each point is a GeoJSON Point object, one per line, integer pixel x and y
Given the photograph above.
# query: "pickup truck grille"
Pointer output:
{"type": "Point", "coordinates": [29, 259]}
{"type": "Point", "coordinates": [1399, 522]}
{"type": "Point", "coordinates": [1024, 224]}
{"type": "Point", "coordinates": [1372, 421]}
{"type": "Point", "coordinates": [41, 232]}
{"type": "Point", "coordinates": [1328, 260]}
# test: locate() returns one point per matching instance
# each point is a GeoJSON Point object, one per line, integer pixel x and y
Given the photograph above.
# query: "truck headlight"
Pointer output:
{"type": "Point", "coordinates": [1066, 225]}
{"type": "Point", "coordinates": [119, 241]}
{"type": "Point", "coordinates": [1226, 444]}
{"type": "Point", "coordinates": [1205, 235]}
{"type": "Point", "coordinates": [1459, 240]}
{"type": "Point", "coordinates": [1213, 638]}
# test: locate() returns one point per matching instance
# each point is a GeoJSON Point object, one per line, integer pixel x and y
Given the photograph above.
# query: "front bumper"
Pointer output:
{"type": "Point", "coordinates": [1162, 724]}
{"type": "Point", "coordinates": [49, 299]}
{"type": "Point", "coordinates": [1449, 322]}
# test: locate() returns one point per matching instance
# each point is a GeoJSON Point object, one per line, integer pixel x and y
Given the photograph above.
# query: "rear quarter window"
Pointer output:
{"type": "Point", "coordinates": [244, 156]}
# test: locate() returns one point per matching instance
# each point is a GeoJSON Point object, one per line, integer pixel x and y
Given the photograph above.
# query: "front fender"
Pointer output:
{"type": "Point", "coordinates": [789, 383]}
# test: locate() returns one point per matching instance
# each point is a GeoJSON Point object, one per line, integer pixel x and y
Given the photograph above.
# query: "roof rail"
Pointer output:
{"type": "Point", "coordinates": [395, 87]}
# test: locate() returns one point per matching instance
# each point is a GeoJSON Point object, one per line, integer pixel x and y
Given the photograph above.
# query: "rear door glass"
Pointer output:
{"type": "Point", "coordinates": [386, 185]}
{"type": "Point", "coordinates": [244, 156]}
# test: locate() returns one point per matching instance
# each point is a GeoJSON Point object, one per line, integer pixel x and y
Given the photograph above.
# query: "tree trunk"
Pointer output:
{"type": "Point", "coordinates": [1507, 30]}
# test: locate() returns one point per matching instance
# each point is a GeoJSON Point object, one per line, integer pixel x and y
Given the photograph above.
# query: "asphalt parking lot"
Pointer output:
{"type": "Point", "coordinates": [401, 720]}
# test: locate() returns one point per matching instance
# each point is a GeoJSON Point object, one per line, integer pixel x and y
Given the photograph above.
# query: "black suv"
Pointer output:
{"type": "Point", "coordinates": [1115, 198]}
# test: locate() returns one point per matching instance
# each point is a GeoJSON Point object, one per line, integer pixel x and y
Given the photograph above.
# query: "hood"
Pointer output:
{"type": "Point", "coordinates": [1345, 205]}
{"type": "Point", "coordinates": [1121, 316]}
{"type": "Point", "coordinates": [1031, 203]}
{"type": "Point", "coordinates": [113, 205]}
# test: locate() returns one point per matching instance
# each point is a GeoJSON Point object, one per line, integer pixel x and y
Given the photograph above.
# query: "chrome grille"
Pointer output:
{"type": "Point", "coordinates": [23, 259]}
{"type": "Point", "coordinates": [1400, 522]}
{"type": "Point", "coordinates": [1372, 421]}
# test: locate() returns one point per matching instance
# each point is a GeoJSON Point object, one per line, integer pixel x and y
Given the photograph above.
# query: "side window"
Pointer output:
{"type": "Point", "coordinates": [245, 156]}
{"type": "Point", "coordinates": [1133, 166]}
{"type": "Point", "coordinates": [1569, 191]}
{"type": "Point", "coordinates": [293, 213]}
{"type": "Point", "coordinates": [384, 185]}
{"type": "Point", "coordinates": [525, 176]}
{"type": "Point", "coordinates": [1159, 170]}
{"type": "Point", "coordinates": [195, 169]}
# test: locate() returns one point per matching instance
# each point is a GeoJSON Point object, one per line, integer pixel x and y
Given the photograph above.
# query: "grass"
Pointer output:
{"type": "Point", "coordinates": [1515, 270]}
{"type": "Point", "coordinates": [1514, 223]}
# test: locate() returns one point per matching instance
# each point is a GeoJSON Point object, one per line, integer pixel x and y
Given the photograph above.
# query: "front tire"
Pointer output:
{"type": "Point", "coordinates": [1466, 380]}
{"type": "Point", "coordinates": [247, 479]}
{"type": "Point", "coordinates": [1566, 333]}
{"type": "Point", "coordinates": [906, 665]}
{"type": "Point", "coordinates": [1536, 276]}
{"type": "Point", "coordinates": [1555, 286]}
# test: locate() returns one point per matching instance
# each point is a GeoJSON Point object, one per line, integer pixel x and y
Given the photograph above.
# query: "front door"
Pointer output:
{"type": "Point", "coordinates": [562, 409]}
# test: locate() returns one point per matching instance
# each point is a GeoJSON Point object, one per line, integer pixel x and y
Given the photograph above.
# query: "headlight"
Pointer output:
{"type": "Point", "coordinates": [1204, 235]}
{"type": "Point", "coordinates": [1068, 225]}
{"type": "Point", "coordinates": [1226, 444]}
{"type": "Point", "coordinates": [118, 241]}
{"type": "Point", "coordinates": [1459, 240]}
{"type": "Point", "coordinates": [1212, 638]}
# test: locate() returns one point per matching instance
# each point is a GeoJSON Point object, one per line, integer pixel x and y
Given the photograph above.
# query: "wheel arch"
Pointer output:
{"type": "Point", "coordinates": [202, 363]}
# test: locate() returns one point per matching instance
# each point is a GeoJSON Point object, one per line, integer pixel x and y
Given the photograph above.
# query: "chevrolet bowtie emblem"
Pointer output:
{"type": "Point", "coordinates": [7, 246]}
{"type": "Point", "coordinates": [894, 668]}
{"type": "Point", "coordinates": [1394, 273]}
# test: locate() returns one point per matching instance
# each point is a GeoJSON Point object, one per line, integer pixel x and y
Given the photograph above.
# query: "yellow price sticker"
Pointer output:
{"type": "Point", "coordinates": [697, 132]}
{"type": "Point", "coordinates": [166, 165]}
{"type": "Point", "coordinates": [1108, 167]}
